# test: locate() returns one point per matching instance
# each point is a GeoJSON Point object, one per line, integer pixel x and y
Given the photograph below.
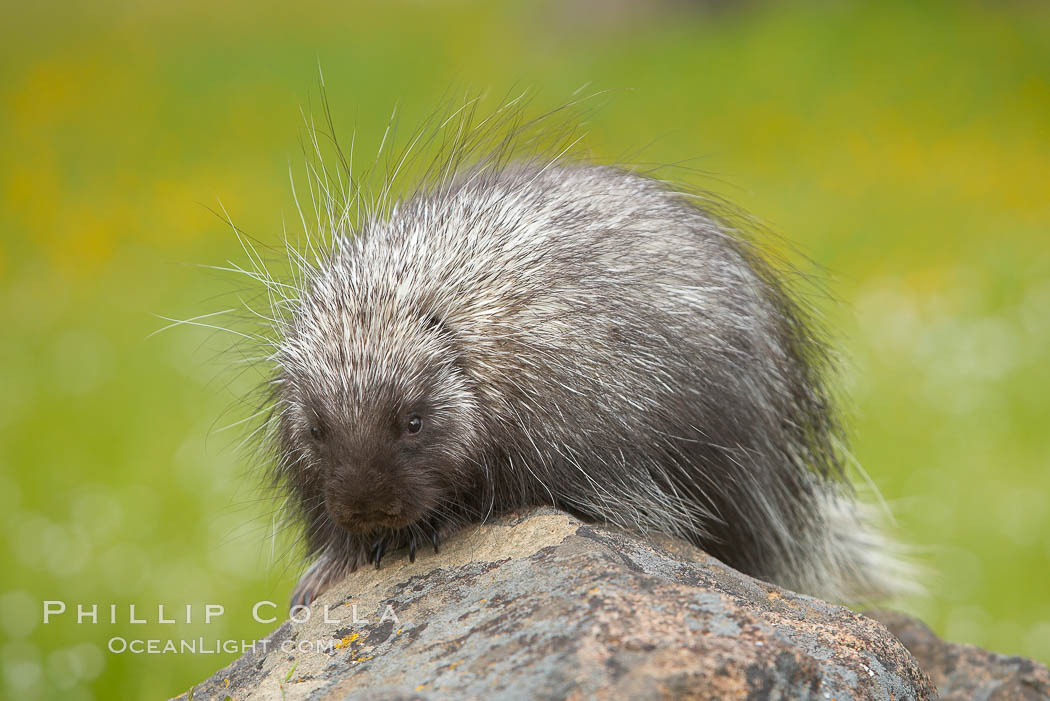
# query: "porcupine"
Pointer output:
{"type": "Point", "coordinates": [525, 330]}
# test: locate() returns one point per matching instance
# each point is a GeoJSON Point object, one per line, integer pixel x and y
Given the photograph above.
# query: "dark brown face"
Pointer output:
{"type": "Point", "coordinates": [385, 470]}
{"type": "Point", "coordinates": [378, 457]}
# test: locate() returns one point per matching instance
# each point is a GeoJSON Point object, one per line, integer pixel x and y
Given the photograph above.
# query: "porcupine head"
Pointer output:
{"type": "Point", "coordinates": [378, 421]}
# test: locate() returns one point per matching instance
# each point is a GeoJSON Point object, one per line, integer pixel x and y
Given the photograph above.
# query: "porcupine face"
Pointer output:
{"type": "Point", "coordinates": [378, 420]}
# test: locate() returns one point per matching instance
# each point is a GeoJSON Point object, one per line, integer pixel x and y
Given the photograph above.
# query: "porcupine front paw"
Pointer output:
{"type": "Point", "coordinates": [414, 536]}
{"type": "Point", "coordinates": [331, 567]}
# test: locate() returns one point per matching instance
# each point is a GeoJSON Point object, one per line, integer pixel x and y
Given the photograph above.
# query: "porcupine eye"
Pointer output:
{"type": "Point", "coordinates": [414, 424]}
{"type": "Point", "coordinates": [315, 432]}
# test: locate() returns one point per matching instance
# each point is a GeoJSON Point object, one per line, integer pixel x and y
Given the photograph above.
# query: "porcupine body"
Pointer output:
{"type": "Point", "coordinates": [564, 334]}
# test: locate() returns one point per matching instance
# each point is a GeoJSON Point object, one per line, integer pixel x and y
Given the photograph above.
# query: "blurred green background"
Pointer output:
{"type": "Point", "coordinates": [903, 146]}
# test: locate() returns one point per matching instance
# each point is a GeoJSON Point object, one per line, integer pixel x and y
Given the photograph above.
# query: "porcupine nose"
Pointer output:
{"type": "Point", "coordinates": [365, 502]}
{"type": "Point", "coordinates": [373, 514]}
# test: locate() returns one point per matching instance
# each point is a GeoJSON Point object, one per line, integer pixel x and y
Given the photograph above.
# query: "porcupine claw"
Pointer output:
{"type": "Point", "coordinates": [378, 548]}
{"type": "Point", "coordinates": [413, 540]}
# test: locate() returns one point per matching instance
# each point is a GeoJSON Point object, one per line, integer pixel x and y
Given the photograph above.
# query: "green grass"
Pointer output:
{"type": "Point", "coordinates": [905, 148]}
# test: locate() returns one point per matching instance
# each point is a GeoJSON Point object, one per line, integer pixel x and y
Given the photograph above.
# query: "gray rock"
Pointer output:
{"type": "Point", "coordinates": [964, 672]}
{"type": "Point", "coordinates": [543, 606]}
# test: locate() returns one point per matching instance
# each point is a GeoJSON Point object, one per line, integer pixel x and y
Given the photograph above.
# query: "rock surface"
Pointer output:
{"type": "Point", "coordinates": [542, 606]}
{"type": "Point", "coordinates": [964, 672]}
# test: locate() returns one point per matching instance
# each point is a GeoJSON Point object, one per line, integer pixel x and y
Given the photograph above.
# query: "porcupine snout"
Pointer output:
{"type": "Point", "coordinates": [362, 496]}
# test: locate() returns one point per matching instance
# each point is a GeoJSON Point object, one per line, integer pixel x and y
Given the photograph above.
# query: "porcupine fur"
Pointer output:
{"type": "Point", "coordinates": [564, 333]}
